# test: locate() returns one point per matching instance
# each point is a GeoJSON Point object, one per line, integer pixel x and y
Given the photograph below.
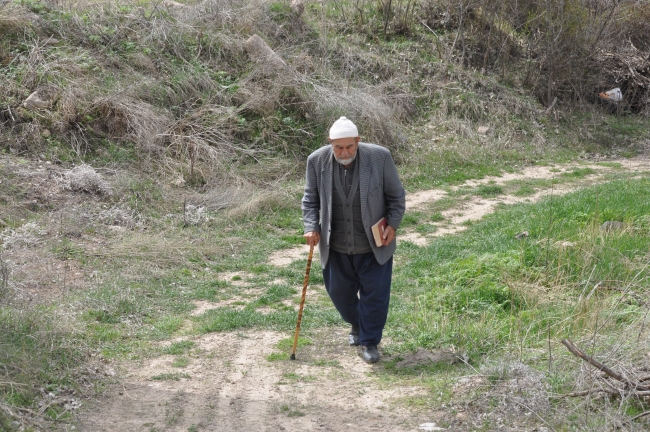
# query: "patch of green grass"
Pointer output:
{"type": "Point", "coordinates": [275, 294]}
{"type": "Point", "coordinates": [436, 217]}
{"type": "Point", "coordinates": [166, 326]}
{"type": "Point", "coordinates": [286, 344]}
{"type": "Point", "coordinates": [178, 348]}
{"type": "Point", "coordinates": [442, 204]}
{"type": "Point", "coordinates": [524, 190]}
{"type": "Point", "coordinates": [36, 352]}
{"type": "Point", "coordinates": [170, 376]}
{"type": "Point", "coordinates": [66, 249]}
{"type": "Point", "coordinates": [327, 363]}
{"type": "Point", "coordinates": [295, 239]}
{"type": "Point", "coordinates": [181, 362]}
{"type": "Point", "coordinates": [410, 219]}
{"type": "Point", "coordinates": [610, 164]}
{"type": "Point", "coordinates": [290, 412]}
{"type": "Point", "coordinates": [579, 172]}
{"type": "Point", "coordinates": [276, 356]}
{"type": "Point", "coordinates": [292, 377]}
{"type": "Point", "coordinates": [468, 290]}
{"type": "Point", "coordinates": [425, 229]}
{"type": "Point", "coordinates": [488, 190]}
{"type": "Point", "coordinates": [209, 290]}
{"type": "Point", "coordinates": [225, 319]}
{"type": "Point", "coordinates": [104, 332]}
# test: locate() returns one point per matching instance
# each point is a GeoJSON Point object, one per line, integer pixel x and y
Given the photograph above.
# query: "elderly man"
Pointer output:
{"type": "Point", "coordinates": [350, 186]}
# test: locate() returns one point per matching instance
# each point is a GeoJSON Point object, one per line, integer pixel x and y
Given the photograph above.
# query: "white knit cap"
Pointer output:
{"type": "Point", "coordinates": [343, 128]}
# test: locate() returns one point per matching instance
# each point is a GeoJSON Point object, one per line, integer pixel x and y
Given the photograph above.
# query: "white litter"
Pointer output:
{"type": "Point", "coordinates": [430, 427]}
{"type": "Point", "coordinates": [614, 95]}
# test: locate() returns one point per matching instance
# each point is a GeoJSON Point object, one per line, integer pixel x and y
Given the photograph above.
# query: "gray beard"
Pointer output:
{"type": "Point", "coordinates": [346, 161]}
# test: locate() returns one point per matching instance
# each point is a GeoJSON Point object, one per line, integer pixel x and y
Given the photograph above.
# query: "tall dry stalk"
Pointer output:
{"type": "Point", "coordinates": [4, 276]}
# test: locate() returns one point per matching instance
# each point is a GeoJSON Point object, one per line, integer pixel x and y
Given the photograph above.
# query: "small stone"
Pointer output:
{"type": "Point", "coordinates": [483, 129]}
{"type": "Point", "coordinates": [298, 7]}
{"type": "Point", "coordinates": [44, 97]}
{"type": "Point", "coordinates": [46, 133]}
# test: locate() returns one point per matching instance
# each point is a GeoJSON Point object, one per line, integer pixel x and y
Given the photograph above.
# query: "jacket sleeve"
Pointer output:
{"type": "Point", "coordinates": [311, 199]}
{"type": "Point", "coordinates": [394, 194]}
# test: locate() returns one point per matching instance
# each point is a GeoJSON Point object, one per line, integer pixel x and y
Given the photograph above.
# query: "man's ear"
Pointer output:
{"type": "Point", "coordinates": [357, 139]}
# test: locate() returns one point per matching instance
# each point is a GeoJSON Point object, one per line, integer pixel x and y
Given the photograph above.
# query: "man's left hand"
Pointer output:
{"type": "Point", "coordinates": [388, 236]}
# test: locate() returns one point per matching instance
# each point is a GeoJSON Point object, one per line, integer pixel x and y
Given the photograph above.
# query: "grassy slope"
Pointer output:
{"type": "Point", "coordinates": [482, 292]}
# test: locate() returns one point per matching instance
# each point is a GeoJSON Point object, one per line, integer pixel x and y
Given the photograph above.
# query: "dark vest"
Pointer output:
{"type": "Point", "coordinates": [348, 235]}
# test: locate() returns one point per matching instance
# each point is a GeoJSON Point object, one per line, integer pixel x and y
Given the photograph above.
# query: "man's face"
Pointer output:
{"type": "Point", "coordinates": [345, 149]}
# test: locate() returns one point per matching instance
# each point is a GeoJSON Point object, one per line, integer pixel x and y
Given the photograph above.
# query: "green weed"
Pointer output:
{"type": "Point", "coordinates": [579, 172]}
{"type": "Point", "coordinates": [178, 348]}
{"type": "Point", "coordinates": [410, 219]}
{"type": "Point", "coordinates": [276, 356]}
{"type": "Point", "coordinates": [290, 412]}
{"type": "Point", "coordinates": [287, 343]}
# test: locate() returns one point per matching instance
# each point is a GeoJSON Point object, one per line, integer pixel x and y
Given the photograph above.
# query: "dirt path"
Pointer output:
{"type": "Point", "coordinates": [476, 207]}
{"type": "Point", "coordinates": [231, 384]}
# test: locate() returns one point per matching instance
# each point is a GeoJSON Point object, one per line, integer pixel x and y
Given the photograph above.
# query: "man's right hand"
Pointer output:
{"type": "Point", "coordinates": [312, 237]}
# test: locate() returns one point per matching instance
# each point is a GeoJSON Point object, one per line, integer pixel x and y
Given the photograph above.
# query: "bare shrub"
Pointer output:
{"type": "Point", "coordinates": [634, 24]}
{"type": "Point", "coordinates": [223, 196]}
{"type": "Point", "coordinates": [194, 215]}
{"type": "Point", "coordinates": [26, 138]}
{"type": "Point", "coordinates": [119, 216]}
{"type": "Point", "coordinates": [518, 387]}
{"type": "Point", "coordinates": [84, 178]}
{"type": "Point", "coordinates": [28, 235]}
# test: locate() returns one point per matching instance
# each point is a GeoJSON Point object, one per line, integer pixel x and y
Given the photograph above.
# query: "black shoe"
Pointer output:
{"type": "Point", "coordinates": [353, 337]}
{"type": "Point", "coordinates": [370, 354]}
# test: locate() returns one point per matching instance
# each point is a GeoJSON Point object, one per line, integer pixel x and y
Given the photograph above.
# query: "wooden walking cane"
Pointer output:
{"type": "Point", "coordinates": [302, 303]}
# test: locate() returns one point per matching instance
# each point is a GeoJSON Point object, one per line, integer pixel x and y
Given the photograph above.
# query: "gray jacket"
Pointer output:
{"type": "Point", "coordinates": [382, 195]}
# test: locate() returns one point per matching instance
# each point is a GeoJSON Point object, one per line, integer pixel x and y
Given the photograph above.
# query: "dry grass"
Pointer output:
{"type": "Point", "coordinates": [259, 202]}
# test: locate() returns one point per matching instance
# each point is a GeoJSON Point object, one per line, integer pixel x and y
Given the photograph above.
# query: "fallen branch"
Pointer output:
{"type": "Point", "coordinates": [589, 392]}
{"type": "Point", "coordinates": [637, 388]}
{"type": "Point", "coordinates": [643, 414]}
{"type": "Point", "coordinates": [601, 367]}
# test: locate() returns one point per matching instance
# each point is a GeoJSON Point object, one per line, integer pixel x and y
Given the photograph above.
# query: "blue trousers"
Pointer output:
{"type": "Point", "coordinates": [345, 276]}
